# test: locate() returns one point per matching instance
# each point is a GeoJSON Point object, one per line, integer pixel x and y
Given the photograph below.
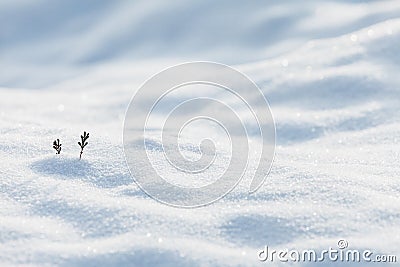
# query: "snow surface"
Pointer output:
{"type": "Point", "coordinates": [328, 69]}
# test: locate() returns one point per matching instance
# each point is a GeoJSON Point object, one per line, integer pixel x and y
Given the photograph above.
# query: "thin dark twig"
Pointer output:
{"type": "Point", "coordinates": [83, 143]}
{"type": "Point", "coordinates": [57, 146]}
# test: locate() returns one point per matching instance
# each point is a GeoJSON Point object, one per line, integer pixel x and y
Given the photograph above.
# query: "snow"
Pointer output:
{"type": "Point", "coordinates": [329, 71]}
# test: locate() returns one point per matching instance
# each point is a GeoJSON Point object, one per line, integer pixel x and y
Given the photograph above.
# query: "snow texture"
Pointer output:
{"type": "Point", "coordinates": [328, 69]}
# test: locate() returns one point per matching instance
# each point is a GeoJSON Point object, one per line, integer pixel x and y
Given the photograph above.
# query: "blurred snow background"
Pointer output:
{"type": "Point", "coordinates": [328, 68]}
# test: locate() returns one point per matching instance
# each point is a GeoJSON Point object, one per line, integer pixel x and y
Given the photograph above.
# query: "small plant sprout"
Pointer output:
{"type": "Point", "coordinates": [57, 146]}
{"type": "Point", "coordinates": [83, 142]}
